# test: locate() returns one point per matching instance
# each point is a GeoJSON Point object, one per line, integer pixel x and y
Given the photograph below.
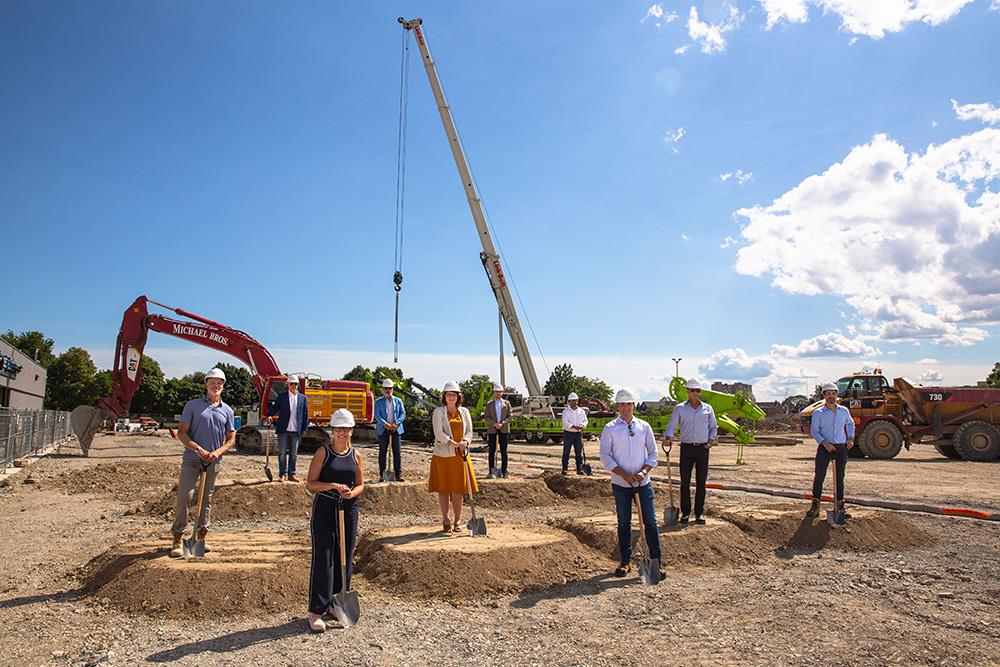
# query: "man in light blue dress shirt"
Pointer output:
{"type": "Point", "coordinates": [832, 428]}
{"type": "Point", "coordinates": [699, 432]}
{"type": "Point", "coordinates": [628, 451]}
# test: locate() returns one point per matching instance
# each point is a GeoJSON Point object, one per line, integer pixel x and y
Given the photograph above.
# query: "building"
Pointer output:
{"type": "Point", "coordinates": [771, 408]}
{"type": "Point", "coordinates": [733, 387]}
{"type": "Point", "coordinates": [22, 379]}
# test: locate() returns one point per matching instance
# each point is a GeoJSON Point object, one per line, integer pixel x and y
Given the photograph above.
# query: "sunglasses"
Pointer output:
{"type": "Point", "coordinates": [631, 429]}
{"type": "Point", "coordinates": [694, 391]}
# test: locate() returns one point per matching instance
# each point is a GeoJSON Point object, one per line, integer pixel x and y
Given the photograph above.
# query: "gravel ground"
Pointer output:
{"type": "Point", "coordinates": [934, 604]}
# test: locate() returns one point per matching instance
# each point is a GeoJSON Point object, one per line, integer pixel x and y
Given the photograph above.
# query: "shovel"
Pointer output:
{"type": "Point", "coordinates": [585, 467]}
{"type": "Point", "coordinates": [835, 517]}
{"type": "Point", "coordinates": [670, 514]}
{"type": "Point", "coordinates": [267, 456]}
{"type": "Point", "coordinates": [344, 606]}
{"type": "Point", "coordinates": [388, 476]}
{"type": "Point", "coordinates": [477, 527]}
{"type": "Point", "coordinates": [194, 547]}
{"type": "Point", "coordinates": [649, 568]}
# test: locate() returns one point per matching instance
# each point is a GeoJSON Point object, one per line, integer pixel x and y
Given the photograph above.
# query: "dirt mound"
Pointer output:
{"type": "Point", "coordinates": [457, 567]}
{"type": "Point", "coordinates": [716, 544]}
{"type": "Point", "coordinates": [245, 574]}
{"type": "Point", "coordinates": [577, 486]}
{"type": "Point", "coordinates": [124, 480]}
{"type": "Point", "coordinates": [789, 529]}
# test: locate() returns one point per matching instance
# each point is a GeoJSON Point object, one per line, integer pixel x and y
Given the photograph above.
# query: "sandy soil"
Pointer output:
{"type": "Point", "coordinates": [87, 581]}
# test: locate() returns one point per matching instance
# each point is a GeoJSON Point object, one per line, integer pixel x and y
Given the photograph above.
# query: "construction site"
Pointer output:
{"type": "Point", "coordinates": [905, 569]}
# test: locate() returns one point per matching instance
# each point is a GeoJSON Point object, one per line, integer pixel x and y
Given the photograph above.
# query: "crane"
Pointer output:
{"type": "Point", "coordinates": [489, 256]}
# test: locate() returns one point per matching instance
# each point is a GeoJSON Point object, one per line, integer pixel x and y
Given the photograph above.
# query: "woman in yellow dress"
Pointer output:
{"type": "Point", "coordinates": [450, 475]}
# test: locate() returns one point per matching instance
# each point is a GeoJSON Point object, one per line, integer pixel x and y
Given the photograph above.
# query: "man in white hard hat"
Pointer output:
{"type": "Point", "coordinates": [699, 432]}
{"type": "Point", "coordinates": [497, 414]}
{"type": "Point", "coordinates": [628, 451]}
{"type": "Point", "coordinates": [574, 420]}
{"type": "Point", "coordinates": [291, 411]}
{"type": "Point", "coordinates": [832, 427]}
{"type": "Point", "coordinates": [207, 431]}
{"type": "Point", "coordinates": [390, 413]}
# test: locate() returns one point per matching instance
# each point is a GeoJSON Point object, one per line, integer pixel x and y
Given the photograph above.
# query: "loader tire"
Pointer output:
{"type": "Point", "coordinates": [881, 440]}
{"type": "Point", "coordinates": [977, 441]}
{"type": "Point", "coordinates": [948, 451]}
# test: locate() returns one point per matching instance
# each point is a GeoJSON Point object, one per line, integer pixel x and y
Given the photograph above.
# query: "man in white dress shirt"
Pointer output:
{"type": "Point", "coordinates": [574, 420]}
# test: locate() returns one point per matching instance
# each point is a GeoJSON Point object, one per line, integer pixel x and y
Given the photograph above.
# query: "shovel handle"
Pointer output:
{"type": "Point", "coordinates": [202, 476]}
{"type": "Point", "coordinates": [343, 547]}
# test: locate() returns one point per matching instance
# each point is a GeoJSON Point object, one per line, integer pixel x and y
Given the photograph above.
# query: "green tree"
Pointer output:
{"type": "Point", "coordinates": [239, 391]}
{"type": "Point", "coordinates": [178, 391]}
{"type": "Point", "coordinates": [357, 374]}
{"type": "Point", "coordinates": [585, 386]}
{"type": "Point", "coordinates": [473, 388]}
{"type": "Point", "coordinates": [149, 394]}
{"type": "Point", "coordinates": [71, 380]}
{"type": "Point", "coordinates": [993, 379]}
{"type": "Point", "coordinates": [560, 382]}
{"type": "Point", "coordinates": [34, 344]}
{"type": "Point", "coordinates": [102, 383]}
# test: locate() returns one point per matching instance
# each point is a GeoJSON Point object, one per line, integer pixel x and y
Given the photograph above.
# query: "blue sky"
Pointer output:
{"type": "Point", "coordinates": [238, 160]}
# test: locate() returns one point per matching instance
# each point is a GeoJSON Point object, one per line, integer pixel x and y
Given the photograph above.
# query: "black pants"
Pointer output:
{"type": "Point", "coordinates": [492, 438]}
{"type": "Point", "coordinates": [383, 451]}
{"type": "Point", "coordinates": [823, 459]}
{"type": "Point", "coordinates": [693, 456]}
{"type": "Point", "coordinates": [324, 575]}
{"type": "Point", "coordinates": [574, 440]}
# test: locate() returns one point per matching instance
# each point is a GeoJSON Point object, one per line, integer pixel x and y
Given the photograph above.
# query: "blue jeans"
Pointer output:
{"type": "Point", "coordinates": [624, 509]}
{"type": "Point", "coordinates": [288, 450]}
{"type": "Point", "coordinates": [574, 440]}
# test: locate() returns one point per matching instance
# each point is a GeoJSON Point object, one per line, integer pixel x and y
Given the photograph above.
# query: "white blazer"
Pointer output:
{"type": "Point", "coordinates": [442, 430]}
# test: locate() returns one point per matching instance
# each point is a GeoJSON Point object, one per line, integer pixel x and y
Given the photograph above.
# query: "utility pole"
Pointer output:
{"type": "Point", "coordinates": [677, 366]}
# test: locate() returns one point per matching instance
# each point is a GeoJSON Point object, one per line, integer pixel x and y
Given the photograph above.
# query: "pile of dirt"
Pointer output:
{"type": "Point", "coordinates": [577, 487]}
{"type": "Point", "coordinates": [246, 574]}
{"type": "Point", "coordinates": [516, 493]}
{"type": "Point", "coordinates": [456, 567]}
{"type": "Point", "coordinates": [122, 480]}
{"type": "Point", "coordinates": [716, 544]}
{"type": "Point", "coordinates": [787, 528]}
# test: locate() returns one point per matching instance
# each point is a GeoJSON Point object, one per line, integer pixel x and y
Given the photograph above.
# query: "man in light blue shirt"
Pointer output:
{"type": "Point", "coordinates": [832, 427]}
{"type": "Point", "coordinates": [390, 413]}
{"type": "Point", "coordinates": [699, 432]}
{"type": "Point", "coordinates": [628, 451]}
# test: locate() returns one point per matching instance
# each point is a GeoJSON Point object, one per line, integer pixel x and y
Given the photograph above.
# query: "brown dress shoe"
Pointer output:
{"type": "Point", "coordinates": [293, 478]}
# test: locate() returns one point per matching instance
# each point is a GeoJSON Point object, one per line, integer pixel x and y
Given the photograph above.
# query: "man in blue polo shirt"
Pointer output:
{"type": "Point", "coordinates": [833, 430]}
{"type": "Point", "coordinates": [207, 431]}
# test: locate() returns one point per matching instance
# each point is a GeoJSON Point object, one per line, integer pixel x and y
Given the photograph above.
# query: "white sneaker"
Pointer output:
{"type": "Point", "coordinates": [316, 623]}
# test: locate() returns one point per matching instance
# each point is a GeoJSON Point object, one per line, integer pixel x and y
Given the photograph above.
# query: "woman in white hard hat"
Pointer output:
{"type": "Point", "coordinates": [450, 475]}
{"type": "Point", "coordinates": [336, 476]}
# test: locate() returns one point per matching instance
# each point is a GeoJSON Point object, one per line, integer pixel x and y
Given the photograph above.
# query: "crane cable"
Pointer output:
{"type": "Point", "coordinates": [397, 276]}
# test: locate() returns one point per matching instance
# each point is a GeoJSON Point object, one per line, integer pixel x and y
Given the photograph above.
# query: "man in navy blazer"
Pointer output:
{"type": "Point", "coordinates": [291, 411]}
{"type": "Point", "coordinates": [389, 417]}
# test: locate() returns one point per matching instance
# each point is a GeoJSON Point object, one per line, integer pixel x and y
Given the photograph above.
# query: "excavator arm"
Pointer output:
{"type": "Point", "coordinates": [126, 376]}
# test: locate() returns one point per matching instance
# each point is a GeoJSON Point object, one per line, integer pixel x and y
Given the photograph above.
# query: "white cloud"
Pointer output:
{"type": "Point", "coordinates": [709, 35]}
{"type": "Point", "coordinates": [681, 50]}
{"type": "Point", "coordinates": [736, 365]}
{"type": "Point", "coordinates": [658, 17]}
{"type": "Point", "coordinates": [685, 237]}
{"type": "Point", "coordinates": [827, 345]}
{"type": "Point", "coordinates": [928, 360]}
{"type": "Point", "coordinates": [995, 6]}
{"type": "Point", "coordinates": [934, 123]}
{"type": "Point", "coordinates": [868, 18]}
{"type": "Point", "coordinates": [728, 241]}
{"type": "Point", "coordinates": [737, 176]}
{"type": "Point", "coordinates": [984, 111]}
{"type": "Point", "coordinates": [930, 375]}
{"type": "Point", "coordinates": [671, 137]}
{"type": "Point", "coordinates": [910, 241]}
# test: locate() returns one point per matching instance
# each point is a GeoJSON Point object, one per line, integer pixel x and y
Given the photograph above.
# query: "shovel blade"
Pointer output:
{"type": "Point", "coordinates": [193, 548]}
{"type": "Point", "coordinates": [268, 474]}
{"type": "Point", "coordinates": [388, 476]}
{"type": "Point", "coordinates": [477, 527]}
{"type": "Point", "coordinates": [346, 608]}
{"type": "Point", "coordinates": [670, 517]}
{"type": "Point", "coordinates": [831, 517]}
{"type": "Point", "coordinates": [649, 571]}
{"type": "Point", "coordinates": [587, 470]}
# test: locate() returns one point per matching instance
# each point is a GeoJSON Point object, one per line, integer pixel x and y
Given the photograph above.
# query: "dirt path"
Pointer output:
{"type": "Point", "coordinates": [761, 586]}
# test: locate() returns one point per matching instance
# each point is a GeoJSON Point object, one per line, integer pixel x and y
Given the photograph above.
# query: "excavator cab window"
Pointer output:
{"type": "Point", "coordinates": [877, 385]}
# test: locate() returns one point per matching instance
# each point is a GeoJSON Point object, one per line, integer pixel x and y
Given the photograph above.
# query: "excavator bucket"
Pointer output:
{"type": "Point", "coordinates": [86, 422]}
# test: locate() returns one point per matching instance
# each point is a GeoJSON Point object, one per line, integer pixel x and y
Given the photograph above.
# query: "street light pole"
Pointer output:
{"type": "Point", "coordinates": [677, 366]}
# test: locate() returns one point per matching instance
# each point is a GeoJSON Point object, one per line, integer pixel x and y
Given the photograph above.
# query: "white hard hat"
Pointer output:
{"type": "Point", "coordinates": [387, 383]}
{"type": "Point", "coordinates": [497, 387]}
{"type": "Point", "coordinates": [342, 418]}
{"type": "Point", "coordinates": [572, 396]}
{"type": "Point", "coordinates": [829, 386]}
{"type": "Point", "coordinates": [451, 386]}
{"type": "Point", "coordinates": [293, 379]}
{"type": "Point", "coordinates": [216, 373]}
{"type": "Point", "coordinates": [624, 396]}
{"type": "Point", "coordinates": [692, 384]}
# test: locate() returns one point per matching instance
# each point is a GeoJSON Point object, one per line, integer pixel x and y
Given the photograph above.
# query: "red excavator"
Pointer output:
{"type": "Point", "coordinates": [325, 396]}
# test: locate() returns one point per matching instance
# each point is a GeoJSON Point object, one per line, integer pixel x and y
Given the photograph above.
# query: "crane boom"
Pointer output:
{"type": "Point", "coordinates": [489, 256]}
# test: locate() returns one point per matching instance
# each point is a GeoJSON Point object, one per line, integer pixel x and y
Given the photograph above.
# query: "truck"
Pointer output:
{"type": "Point", "coordinates": [959, 422]}
{"type": "Point", "coordinates": [325, 396]}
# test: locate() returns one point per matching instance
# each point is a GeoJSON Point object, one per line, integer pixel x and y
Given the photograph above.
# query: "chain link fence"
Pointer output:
{"type": "Point", "coordinates": [27, 432]}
